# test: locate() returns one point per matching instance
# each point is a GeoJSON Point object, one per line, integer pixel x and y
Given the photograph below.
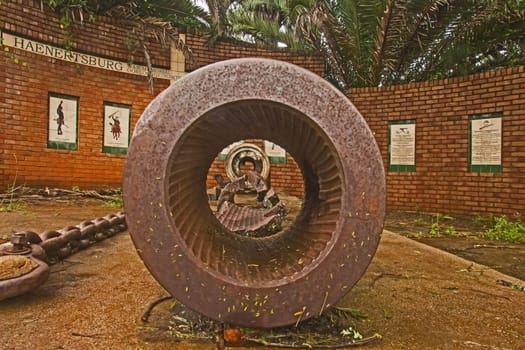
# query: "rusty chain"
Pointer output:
{"type": "Point", "coordinates": [51, 246]}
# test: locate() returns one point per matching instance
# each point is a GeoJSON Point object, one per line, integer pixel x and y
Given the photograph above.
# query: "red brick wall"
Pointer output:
{"type": "Point", "coordinates": [204, 54]}
{"type": "Point", "coordinates": [26, 79]}
{"type": "Point", "coordinates": [442, 182]}
{"type": "Point", "coordinates": [104, 37]}
{"type": "Point", "coordinates": [2, 116]}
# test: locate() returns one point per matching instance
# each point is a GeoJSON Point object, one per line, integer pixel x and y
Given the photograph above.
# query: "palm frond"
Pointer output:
{"type": "Point", "coordinates": [144, 20]}
{"type": "Point", "coordinates": [363, 43]}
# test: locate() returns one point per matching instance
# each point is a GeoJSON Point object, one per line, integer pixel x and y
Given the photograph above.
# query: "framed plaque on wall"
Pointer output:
{"type": "Point", "coordinates": [485, 142]}
{"type": "Point", "coordinates": [117, 119]}
{"type": "Point", "coordinates": [402, 145]}
{"type": "Point", "coordinates": [62, 121]}
{"type": "Point", "coordinates": [275, 153]}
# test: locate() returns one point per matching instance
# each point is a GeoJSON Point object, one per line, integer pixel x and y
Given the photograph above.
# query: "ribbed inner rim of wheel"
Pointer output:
{"type": "Point", "coordinates": [244, 260]}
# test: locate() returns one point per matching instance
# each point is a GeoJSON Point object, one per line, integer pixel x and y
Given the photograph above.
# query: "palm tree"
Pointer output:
{"type": "Point", "coordinates": [179, 13]}
{"type": "Point", "coordinates": [217, 26]}
{"type": "Point", "coordinates": [379, 42]}
{"type": "Point", "coordinates": [267, 22]}
{"type": "Point", "coordinates": [363, 42]}
{"type": "Point", "coordinates": [158, 19]}
{"type": "Point", "coordinates": [439, 39]}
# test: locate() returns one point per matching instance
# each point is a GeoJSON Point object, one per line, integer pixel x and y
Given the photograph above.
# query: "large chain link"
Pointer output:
{"type": "Point", "coordinates": [52, 246]}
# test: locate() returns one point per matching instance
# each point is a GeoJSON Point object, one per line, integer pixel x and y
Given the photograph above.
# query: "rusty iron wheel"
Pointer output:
{"type": "Point", "coordinates": [254, 282]}
{"type": "Point", "coordinates": [246, 152]}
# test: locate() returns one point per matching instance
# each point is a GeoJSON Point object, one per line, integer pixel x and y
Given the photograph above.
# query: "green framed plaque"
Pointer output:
{"type": "Point", "coordinates": [117, 120]}
{"type": "Point", "coordinates": [402, 146]}
{"type": "Point", "coordinates": [62, 121]}
{"type": "Point", "coordinates": [485, 142]}
{"type": "Point", "coordinates": [276, 154]}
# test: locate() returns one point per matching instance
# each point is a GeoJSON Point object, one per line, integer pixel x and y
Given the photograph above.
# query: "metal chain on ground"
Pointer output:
{"type": "Point", "coordinates": [52, 246]}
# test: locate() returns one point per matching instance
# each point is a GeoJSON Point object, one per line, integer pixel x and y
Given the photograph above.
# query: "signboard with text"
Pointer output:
{"type": "Point", "coordinates": [485, 142]}
{"type": "Point", "coordinates": [59, 53]}
{"type": "Point", "coordinates": [402, 145]}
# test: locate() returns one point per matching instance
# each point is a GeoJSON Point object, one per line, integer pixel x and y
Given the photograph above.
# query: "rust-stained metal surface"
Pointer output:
{"type": "Point", "coordinates": [246, 152]}
{"type": "Point", "coordinates": [250, 281]}
{"type": "Point", "coordinates": [19, 245]}
{"type": "Point", "coordinates": [259, 220]}
{"type": "Point", "coordinates": [249, 221]}
{"type": "Point", "coordinates": [33, 250]}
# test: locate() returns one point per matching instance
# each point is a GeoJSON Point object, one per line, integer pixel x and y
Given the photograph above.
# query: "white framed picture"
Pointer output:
{"type": "Point", "coordinates": [62, 121]}
{"type": "Point", "coordinates": [117, 119]}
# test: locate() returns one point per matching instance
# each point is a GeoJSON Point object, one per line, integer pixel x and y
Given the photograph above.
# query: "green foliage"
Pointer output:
{"type": "Point", "coordinates": [70, 10]}
{"type": "Point", "coordinates": [506, 230]}
{"type": "Point", "coordinates": [434, 230]}
{"type": "Point", "coordinates": [11, 203]}
{"type": "Point", "coordinates": [179, 13]}
{"type": "Point", "coordinates": [11, 206]}
{"type": "Point", "coordinates": [439, 229]}
{"type": "Point", "coordinates": [380, 42]}
{"type": "Point", "coordinates": [271, 22]}
{"type": "Point", "coordinates": [150, 21]}
{"type": "Point", "coordinates": [450, 231]}
{"type": "Point", "coordinates": [419, 221]}
{"type": "Point", "coordinates": [483, 221]}
{"type": "Point", "coordinates": [363, 43]}
{"type": "Point", "coordinates": [115, 203]}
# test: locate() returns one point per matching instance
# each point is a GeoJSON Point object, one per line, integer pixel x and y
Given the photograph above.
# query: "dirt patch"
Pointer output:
{"type": "Point", "coordinates": [461, 236]}
{"type": "Point", "coordinates": [415, 296]}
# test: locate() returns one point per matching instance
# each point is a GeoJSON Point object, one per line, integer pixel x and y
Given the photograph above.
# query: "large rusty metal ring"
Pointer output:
{"type": "Point", "coordinates": [246, 152]}
{"type": "Point", "coordinates": [255, 282]}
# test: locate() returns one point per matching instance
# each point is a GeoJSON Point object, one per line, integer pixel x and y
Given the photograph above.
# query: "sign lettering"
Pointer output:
{"type": "Point", "coordinates": [83, 59]}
